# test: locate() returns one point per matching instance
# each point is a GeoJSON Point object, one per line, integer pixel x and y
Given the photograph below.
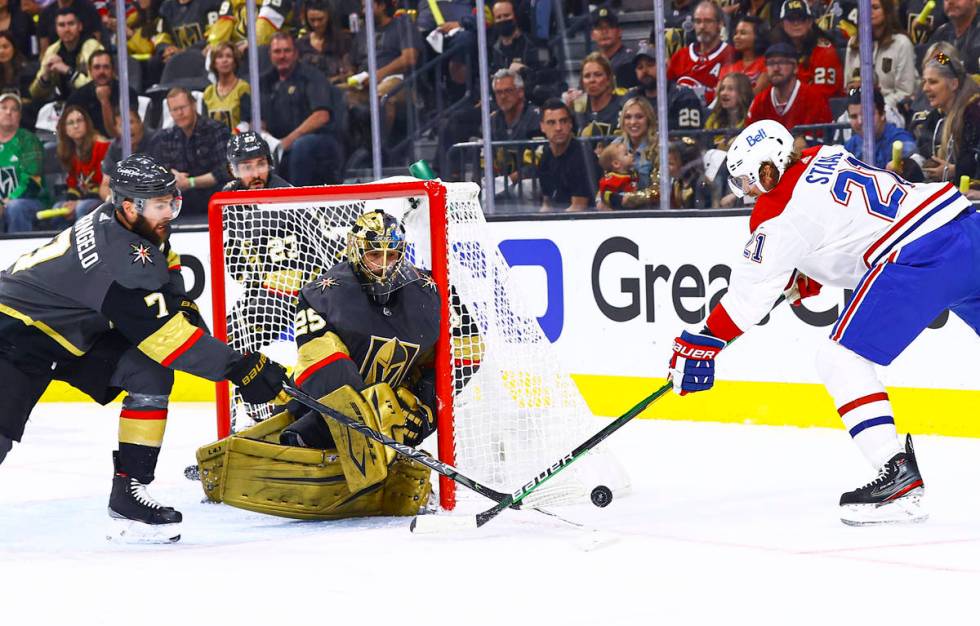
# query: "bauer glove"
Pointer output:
{"type": "Point", "coordinates": [258, 379]}
{"type": "Point", "coordinates": [193, 314]}
{"type": "Point", "coordinates": [692, 366]}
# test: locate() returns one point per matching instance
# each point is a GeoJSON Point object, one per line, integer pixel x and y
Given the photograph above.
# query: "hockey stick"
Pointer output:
{"type": "Point", "coordinates": [432, 523]}
{"type": "Point", "coordinates": [435, 524]}
{"type": "Point", "coordinates": [416, 455]}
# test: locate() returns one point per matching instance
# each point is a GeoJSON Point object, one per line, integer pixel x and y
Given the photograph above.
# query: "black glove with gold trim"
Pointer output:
{"type": "Point", "coordinates": [193, 314]}
{"type": "Point", "coordinates": [258, 379]}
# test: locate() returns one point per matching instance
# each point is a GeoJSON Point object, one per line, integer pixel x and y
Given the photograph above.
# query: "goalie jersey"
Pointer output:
{"type": "Point", "coordinates": [345, 339]}
{"type": "Point", "coordinates": [835, 219]}
{"type": "Point", "coordinates": [58, 300]}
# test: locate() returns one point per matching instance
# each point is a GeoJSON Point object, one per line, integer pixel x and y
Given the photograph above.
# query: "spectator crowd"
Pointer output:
{"type": "Point", "coordinates": [568, 136]}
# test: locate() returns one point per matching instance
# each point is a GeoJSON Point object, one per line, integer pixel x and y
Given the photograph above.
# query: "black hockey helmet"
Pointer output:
{"type": "Point", "coordinates": [140, 177]}
{"type": "Point", "coordinates": [245, 146]}
{"type": "Point", "coordinates": [378, 232]}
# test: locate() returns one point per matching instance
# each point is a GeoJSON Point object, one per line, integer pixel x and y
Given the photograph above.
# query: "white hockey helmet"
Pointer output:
{"type": "Point", "coordinates": [760, 142]}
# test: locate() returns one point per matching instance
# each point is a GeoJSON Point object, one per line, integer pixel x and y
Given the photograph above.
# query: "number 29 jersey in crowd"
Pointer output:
{"type": "Point", "coordinates": [833, 218]}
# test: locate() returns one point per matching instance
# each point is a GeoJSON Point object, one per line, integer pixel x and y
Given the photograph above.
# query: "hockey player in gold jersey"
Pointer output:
{"type": "Point", "coordinates": [103, 307]}
{"type": "Point", "coordinates": [366, 331]}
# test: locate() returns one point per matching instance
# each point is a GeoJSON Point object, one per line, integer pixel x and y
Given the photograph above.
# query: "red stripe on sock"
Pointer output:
{"type": "Point", "coordinates": [132, 414]}
{"type": "Point", "coordinates": [874, 397]}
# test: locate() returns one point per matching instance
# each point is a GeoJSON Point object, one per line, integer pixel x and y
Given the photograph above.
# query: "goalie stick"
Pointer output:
{"type": "Point", "coordinates": [435, 523]}
{"type": "Point", "coordinates": [416, 455]}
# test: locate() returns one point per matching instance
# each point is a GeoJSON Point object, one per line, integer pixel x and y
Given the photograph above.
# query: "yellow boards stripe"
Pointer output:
{"type": "Point", "coordinates": [918, 411]}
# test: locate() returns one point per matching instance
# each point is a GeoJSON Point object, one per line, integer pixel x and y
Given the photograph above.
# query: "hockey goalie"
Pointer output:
{"type": "Point", "coordinates": [366, 331]}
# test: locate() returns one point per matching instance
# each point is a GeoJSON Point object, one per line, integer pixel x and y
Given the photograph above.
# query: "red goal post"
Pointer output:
{"type": "Point", "coordinates": [436, 195]}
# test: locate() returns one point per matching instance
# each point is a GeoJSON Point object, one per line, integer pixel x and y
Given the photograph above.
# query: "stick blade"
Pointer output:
{"type": "Point", "coordinates": [426, 524]}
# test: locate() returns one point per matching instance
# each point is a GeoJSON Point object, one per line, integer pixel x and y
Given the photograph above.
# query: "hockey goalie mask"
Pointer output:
{"type": "Point", "coordinates": [761, 142]}
{"type": "Point", "coordinates": [376, 252]}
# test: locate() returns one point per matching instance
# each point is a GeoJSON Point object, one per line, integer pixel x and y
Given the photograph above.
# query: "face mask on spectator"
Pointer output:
{"type": "Point", "coordinates": [506, 28]}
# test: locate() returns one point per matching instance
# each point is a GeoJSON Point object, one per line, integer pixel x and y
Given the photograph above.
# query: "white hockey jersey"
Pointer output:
{"type": "Point", "coordinates": [832, 217]}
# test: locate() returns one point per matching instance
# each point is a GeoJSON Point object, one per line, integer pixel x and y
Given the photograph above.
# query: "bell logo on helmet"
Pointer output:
{"type": "Point", "coordinates": [756, 138]}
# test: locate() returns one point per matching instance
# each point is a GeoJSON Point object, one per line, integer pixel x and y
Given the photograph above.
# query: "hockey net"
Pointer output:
{"type": "Point", "coordinates": [502, 425]}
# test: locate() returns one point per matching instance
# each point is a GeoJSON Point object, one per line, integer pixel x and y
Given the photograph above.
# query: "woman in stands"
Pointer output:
{"type": "Point", "coordinates": [223, 98]}
{"type": "Point", "coordinates": [950, 132]}
{"type": "Point", "coordinates": [80, 152]}
{"type": "Point", "coordinates": [598, 104]}
{"type": "Point", "coordinates": [731, 107]}
{"type": "Point", "coordinates": [141, 26]}
{"type": "Point", "coordinates": [894, 57]}
{"type": "Point", "coordinates": [18, 24]}
{"type": "Point", "coordinates": [325, 46]}
{"type": "Point", "coordinates": [14, 76]}
{"type": "Point", "coordinates": [750, 40]}
{"type": "Point", "coordinates": [638, 122]}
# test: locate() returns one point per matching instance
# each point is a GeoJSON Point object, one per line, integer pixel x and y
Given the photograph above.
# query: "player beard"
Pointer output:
{"type": "Point", "coordinates": [257, 182]}
{"type": "Point", "coordinates": [156, 235]}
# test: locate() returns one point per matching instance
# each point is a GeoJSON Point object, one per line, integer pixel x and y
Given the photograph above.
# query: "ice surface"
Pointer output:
{"type": "Point", "coordinates": [726, 524]}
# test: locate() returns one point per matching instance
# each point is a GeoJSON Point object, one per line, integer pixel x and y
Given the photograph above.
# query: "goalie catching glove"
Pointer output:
{"type": "Point", "coordinates": [258, 379]}
{"type": "Point", "coordinates": [692, 366]}
{"type": "Point", "coordinates": [419, 421]}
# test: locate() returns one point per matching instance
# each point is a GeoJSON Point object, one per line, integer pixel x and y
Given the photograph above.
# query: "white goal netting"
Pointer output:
{"type": "Point", "coordinates": [517, 414]}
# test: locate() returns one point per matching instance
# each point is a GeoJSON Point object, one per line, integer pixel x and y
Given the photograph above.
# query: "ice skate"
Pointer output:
{"type": "Point", "coordinates": [137, 517]}
{"type": "Point", "coordinates": [895, 496]}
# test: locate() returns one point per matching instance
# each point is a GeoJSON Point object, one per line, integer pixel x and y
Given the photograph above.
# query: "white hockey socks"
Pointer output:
{"type": "Point", "coordinates": [861, 401]}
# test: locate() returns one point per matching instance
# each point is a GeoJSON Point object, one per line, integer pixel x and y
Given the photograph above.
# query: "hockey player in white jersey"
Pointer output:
{"type": "Point", "coordinates": [909, 252]}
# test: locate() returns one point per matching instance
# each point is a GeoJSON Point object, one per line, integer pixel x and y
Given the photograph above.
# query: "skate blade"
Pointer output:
{"type": "Point", "coordinates": [906, 510]}
{"type": "Point", "coordinates": [128, 531]}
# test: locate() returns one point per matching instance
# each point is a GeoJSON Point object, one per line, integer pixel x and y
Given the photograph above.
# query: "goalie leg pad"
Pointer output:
{"type": "Point", "coordinates": [364, 460]}
{"type": "Point", "coordinates": [407, 489]}
{"type": "Point", "coordinates": [211, 458]}
{"type": "Point", "coordinates": [250, 470]}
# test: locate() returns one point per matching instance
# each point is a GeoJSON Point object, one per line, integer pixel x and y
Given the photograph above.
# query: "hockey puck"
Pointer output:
{"type": "Point", "coordinates": [601, 496]}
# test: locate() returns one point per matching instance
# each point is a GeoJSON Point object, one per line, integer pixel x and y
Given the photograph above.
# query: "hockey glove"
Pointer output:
{"type": "Point", "coordinates": [692, 366]}
{"type": "Point", "coordinates": [259, 380]}
{"type": "Point", "coordinates": [419, 420]}
{"type": "Point", "coordinates": [800, 286]}
{"type": "Point", "coordinates": [193, 314]}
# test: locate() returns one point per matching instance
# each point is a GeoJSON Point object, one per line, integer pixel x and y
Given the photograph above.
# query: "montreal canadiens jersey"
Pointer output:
{"type": "Point", "coordinates": [833, 218]}
{"type": "Point", "coordinates": [688, 68]}
{"type": "Point", "coordinates": [58, 300]}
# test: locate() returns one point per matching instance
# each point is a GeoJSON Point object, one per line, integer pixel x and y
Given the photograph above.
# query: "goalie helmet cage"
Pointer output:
{"type": "Point", "coordinates": [504, 423]}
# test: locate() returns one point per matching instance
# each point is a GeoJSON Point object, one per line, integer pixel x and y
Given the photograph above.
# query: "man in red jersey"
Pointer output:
{"type": "Point", "coordinates": [818, 63]}
{"type": "Point", "coordinates": [787, 100]}
{"type": "Point", "coordinates": [697, 66]}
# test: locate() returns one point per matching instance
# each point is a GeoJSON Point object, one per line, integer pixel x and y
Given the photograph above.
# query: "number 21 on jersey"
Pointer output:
{"type": "Point", "coordinates": [881, 191]}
